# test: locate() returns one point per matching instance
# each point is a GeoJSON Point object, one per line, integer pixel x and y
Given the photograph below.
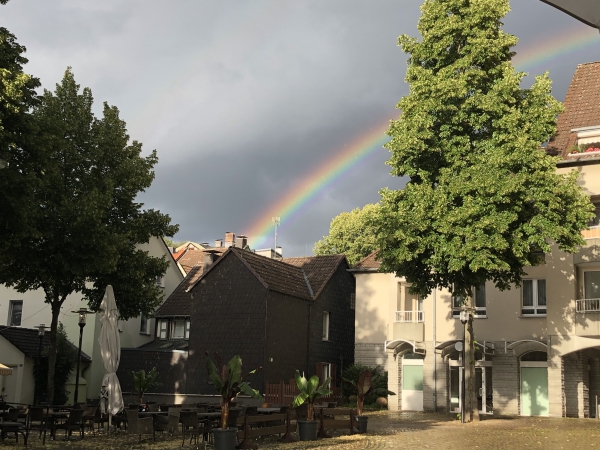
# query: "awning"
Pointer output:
{"type": "Point", "coordinates": [5, 370]}
{"type": "Point", "coordinates": [401, 346]}
{"type": "Point", "coordinates": [527, 345]}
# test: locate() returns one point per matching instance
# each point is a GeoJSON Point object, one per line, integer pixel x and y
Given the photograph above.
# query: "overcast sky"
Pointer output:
{"type": "Point", "coordinates": [245, 100]}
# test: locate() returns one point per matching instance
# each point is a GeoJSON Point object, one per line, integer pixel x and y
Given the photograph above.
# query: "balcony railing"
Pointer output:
{"type": "Point", "coordinates": [410, 316]}
{"type": "Point", "coordinates": [588, 305]}
{"type": "Point", "coordinates": [592, 233]}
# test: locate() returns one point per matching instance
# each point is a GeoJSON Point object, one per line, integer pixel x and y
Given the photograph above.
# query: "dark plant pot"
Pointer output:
{"type": "Point", "coordinates": [225, 439]}
{"type": "Point", "coordinates": [362, 423]}
{"type": "Point", "coordinates": [307, 429]}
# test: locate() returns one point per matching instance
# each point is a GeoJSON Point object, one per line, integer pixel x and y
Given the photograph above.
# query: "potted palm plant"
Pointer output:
{"type": "Point", "coordinates": [143, 382]}
{"type": "Point", "coordinates": [310, 391]}
{"type": "Point", "coordinates": [229, 382]}
{"type": "Point", "coordinates": [365, 385]}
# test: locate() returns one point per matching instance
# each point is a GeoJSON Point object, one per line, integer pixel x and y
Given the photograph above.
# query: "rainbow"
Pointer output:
{"type": "Point", "coordinates": [292, 202]}
{"type": "Point", "coordinates": [325, 175]}
{"type": "Point", "coordinates": [540, 53]}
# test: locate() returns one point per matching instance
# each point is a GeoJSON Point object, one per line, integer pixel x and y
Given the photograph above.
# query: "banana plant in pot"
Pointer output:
{"type": "Point", "coordinates": [310, 391]}
{"type": "Point", "coordinates": [365, 385]}
{"type": "Point", "coordinates": [229, 382]}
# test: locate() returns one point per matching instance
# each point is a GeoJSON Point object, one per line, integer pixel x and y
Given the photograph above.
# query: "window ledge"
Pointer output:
{"type": "Point", "coordinates": [144, 334]}
{"type": "Point", "coordinates": [326, 340]}
{"type": "Point", "coordinates": [531, 316]}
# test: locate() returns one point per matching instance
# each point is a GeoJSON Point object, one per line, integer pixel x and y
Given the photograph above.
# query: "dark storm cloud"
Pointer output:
{"type": "Point", "coordinates": [245, 100]}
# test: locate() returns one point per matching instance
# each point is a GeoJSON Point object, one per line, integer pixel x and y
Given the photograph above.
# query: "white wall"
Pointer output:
{"type": "Point", "coordinates": [36, 312]}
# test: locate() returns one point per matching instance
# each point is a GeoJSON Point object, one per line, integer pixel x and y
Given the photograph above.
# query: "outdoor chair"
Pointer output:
{"type": "Point", "coordinates": [74, 422]}
{"type": "Point", "coordinates": [139, 425]}
{"type": "Point", "coordinates": [168, 423]}
{"type": "Point", "coordinates": [36, 420]}
{"type": "Point", "coordinates": [174, 413]}
{"type": "Point", "coordinates": [152, 407]}
{"type": "Point", "coordinates": [190, 426]}
{"type": "Point", "coordinates": [91, 416]}
{"type": "Point", "coordinates": [12, 415]}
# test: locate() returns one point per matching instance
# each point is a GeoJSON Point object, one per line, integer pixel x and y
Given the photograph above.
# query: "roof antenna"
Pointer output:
{"type": "Point", "coordinates": [276, 221]}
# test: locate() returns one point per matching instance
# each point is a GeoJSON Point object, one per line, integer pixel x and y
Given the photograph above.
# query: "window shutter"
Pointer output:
{"type": "Point", "coordinates": [320, 371]}
{"type": "Point", "coordinates": [334, 375]}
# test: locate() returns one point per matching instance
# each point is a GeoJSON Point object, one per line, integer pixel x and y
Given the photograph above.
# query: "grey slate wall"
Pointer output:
{"type": "Point", "coordinates": [287, 337]}
{"type": "Point", "coordinates": [228, 316]}
{"type": "Point", "coordinates": [335, 298]}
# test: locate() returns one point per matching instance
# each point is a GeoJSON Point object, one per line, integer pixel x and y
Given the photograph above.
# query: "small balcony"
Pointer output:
{"type": "Point", "coordinates": [592, 233]}
{"type": "Point", "coordinates": [587, 317]}
{"type": "Point", "coordinates": [409, 325]}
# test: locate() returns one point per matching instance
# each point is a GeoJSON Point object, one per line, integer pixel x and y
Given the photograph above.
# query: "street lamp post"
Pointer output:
{"type": "Point", "coordinates": [464, 318]}
{"type": "Point", "coordinates": [82, 313]}
{"type": "Point", "coordinates": [41, 332]}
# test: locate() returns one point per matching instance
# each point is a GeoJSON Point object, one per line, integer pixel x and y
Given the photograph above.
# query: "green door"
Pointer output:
{"type": "Point", "coordinates": [534, 391]}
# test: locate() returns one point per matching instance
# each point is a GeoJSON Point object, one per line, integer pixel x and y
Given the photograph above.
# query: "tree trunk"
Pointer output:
{"type": "Point", "coordinates": [55, 306]}
{"type": "Point", "coordinates": [224, 413]}
{"type": "Point", "coordinates": [310, 412]}
{"type": "Point", "coordinates": [471, 410]}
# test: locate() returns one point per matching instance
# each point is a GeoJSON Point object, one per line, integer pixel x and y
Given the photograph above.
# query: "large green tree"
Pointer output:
{"type": "Point", "coordinates": [350, 233]}
{"type": "Point", "coordinates": [19, 162]}
{"type": "Point", "coordinates": [84, 221]}
{"type": "Point", "coordinates": [482, 198]}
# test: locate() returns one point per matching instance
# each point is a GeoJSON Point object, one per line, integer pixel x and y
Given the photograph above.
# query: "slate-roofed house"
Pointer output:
{"type": "Point", "coordinates": [270, 312]}
{"type": "Point", "coordinates": [20, 349]}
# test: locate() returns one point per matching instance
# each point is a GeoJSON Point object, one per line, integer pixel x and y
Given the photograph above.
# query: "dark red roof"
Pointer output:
{"type": "Point", "coordinates": [368, 263]}
{"type": "Point", "coordinates": [582, 109]}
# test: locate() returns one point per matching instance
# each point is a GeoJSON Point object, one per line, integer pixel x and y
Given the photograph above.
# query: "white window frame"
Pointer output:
{"type": "Point", "coordinates": [143, 324]}
{"type": "Point", "coordinates": [585, 294]}
{"type": "Point", "coordinates": [325, 371]}
{"type": "Point", "coordinates": [174, 323]}
{"type": "Point", "coordinates": [162, 329]}
{"type": "Point", "coordinates": [326, 320]}
{"type": "Point", "coordinates": [12, 304]}
{"type": "Point", "coordinates": [160, 281]}
{"type": "Point", "coordinates": [187, 329]}
{"type": "Point", "coordinates": [480, 311]}
{"type": "Point", "coordinates": [535, 307]}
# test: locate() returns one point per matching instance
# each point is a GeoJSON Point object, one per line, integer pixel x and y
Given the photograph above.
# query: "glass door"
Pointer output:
{"type": "Point", "coordinates": [483, 386]}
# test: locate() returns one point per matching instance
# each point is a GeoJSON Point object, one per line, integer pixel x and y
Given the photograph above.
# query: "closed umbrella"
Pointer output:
{"type": "Point", "coordinates": [586, 11]}
{"type": "Point", "coordinates": [110, 347]}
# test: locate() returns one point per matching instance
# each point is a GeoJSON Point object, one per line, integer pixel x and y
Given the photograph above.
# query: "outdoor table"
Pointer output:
{"type": "Point", "coordinates": [268, 410]}
{"type": "Point", "coordinates": [11, 427]}
{"type": "Point", "coordinates": [208, 415]}
{"type": "Point", "coordinates": [52, 417]}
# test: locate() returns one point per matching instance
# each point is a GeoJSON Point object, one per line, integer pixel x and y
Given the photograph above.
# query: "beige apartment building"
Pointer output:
{"type": "Point", "coordinates": [538, 346]}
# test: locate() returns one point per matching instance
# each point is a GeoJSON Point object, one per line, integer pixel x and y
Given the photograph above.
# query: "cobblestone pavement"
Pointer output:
{"type": "Point", "coordinates": [391, 430]}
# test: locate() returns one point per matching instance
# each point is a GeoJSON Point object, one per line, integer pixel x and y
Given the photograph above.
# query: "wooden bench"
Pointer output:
{"type": "Point", "coordinates": [247, 433]}
{"type": "Point", "coordinates": [328, 420]}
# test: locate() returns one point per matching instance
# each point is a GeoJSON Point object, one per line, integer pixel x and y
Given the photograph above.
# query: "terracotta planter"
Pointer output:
{"type": "Point", "coordinates": [307, 429]}
{"type": "Point", "coordinates": [225, 439]}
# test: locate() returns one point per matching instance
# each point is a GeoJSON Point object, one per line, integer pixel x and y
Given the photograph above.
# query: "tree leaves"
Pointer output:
{"type": "Point", "coordinates": [482, 199]}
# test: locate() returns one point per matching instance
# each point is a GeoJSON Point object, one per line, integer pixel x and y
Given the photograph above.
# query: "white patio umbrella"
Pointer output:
{"type": "Point", "coordinates": [110, 347]}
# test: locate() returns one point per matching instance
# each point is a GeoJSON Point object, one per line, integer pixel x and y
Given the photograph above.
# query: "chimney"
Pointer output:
{"type": "Point", "coordinates": [209, 259]}
{"type": "Point", "coordinates": [218, 243]}
{"type": "Point", "coordinates": [241, 241]}
{"type": "Point", "coordinates": [278, 252]}
{"type": "Point", "coordinates": [229, 239]}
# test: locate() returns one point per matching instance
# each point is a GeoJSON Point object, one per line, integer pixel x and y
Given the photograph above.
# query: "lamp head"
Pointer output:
{"type": "Point", "coordinates": [464, 315]}
{"type": "Point", "coordinates": [41, 330]}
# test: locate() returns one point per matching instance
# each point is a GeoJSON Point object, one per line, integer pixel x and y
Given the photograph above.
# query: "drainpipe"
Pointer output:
{"type": "Point", "coordinates": [434, 355]}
